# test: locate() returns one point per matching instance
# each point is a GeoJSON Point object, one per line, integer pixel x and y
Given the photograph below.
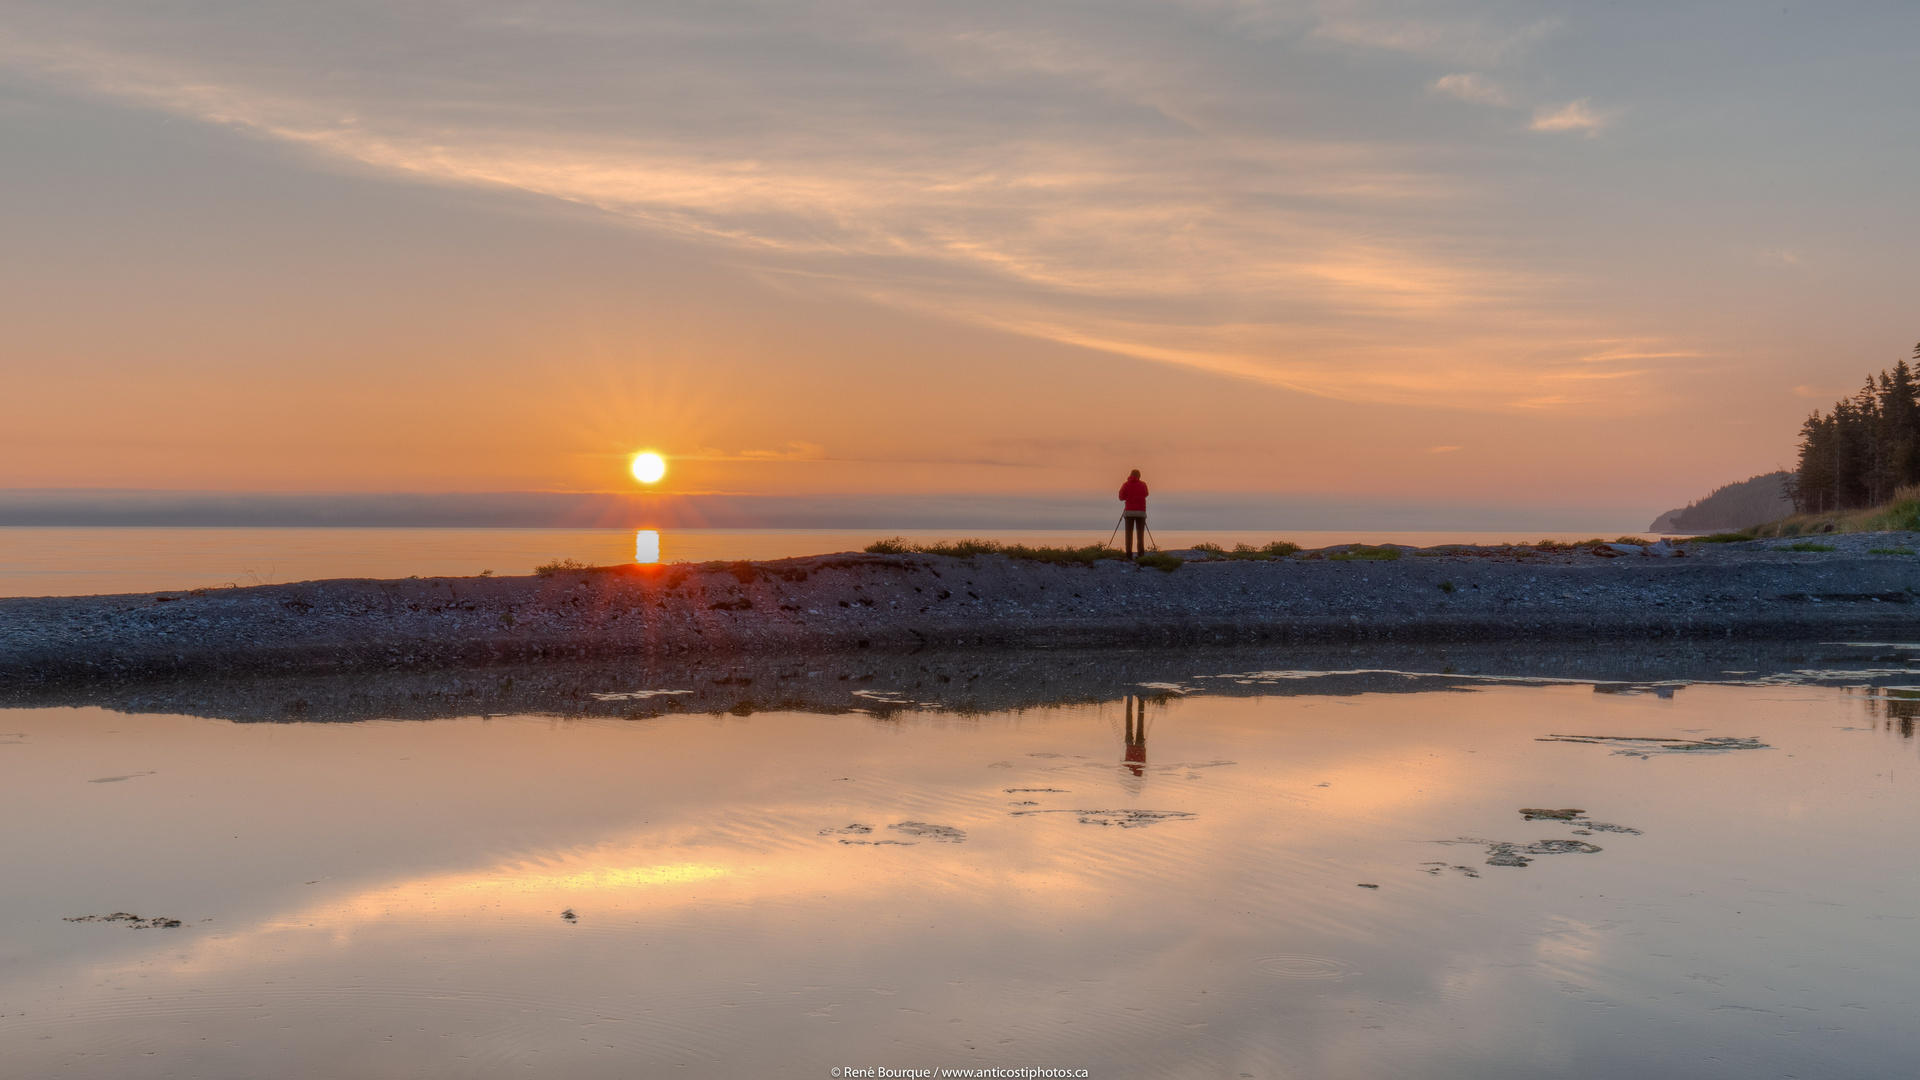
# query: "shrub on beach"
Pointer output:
{"type": "Point", "coordinates": [1279, 549]}
{"type": "Point", "coordinates": [1160, 560]}
{"type": "Point", "coordinates": [559, 565]}
{"type": "Point", "coordinates": [967, 549]}
{"type": "Point", "coordinates": [1383, 553]}
{"type": "Point", "coordinates": [1588, 545]}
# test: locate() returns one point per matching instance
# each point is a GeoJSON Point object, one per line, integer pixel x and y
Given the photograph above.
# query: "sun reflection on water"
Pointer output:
{"type": "Point", "coordinates": [623, 877]}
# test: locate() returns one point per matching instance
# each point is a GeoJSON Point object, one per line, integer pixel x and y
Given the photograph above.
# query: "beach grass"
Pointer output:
{"type": "Point", "coordinates": [967, 549]}
{"type": "Point", "coordinates": [561, 565]}
{"type": "Point", "coordinates": [1899, 514]}
{"type": "Point", "coordinates": [1279, 549]}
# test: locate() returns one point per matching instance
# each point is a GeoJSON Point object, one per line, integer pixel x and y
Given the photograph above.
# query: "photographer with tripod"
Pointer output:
{"type": "Point", "coordinates": [1133, 494]}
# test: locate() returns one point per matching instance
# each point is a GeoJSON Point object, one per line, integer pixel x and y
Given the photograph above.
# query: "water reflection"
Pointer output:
{"type": "Point", "coordinates": [646, 546]}
{"type": "Point", "coordinates": [1136, 734]}
{"type": "Point", "coordinates": [1898, 708]}
{"type": "Point", "coordinates": [781, 892]}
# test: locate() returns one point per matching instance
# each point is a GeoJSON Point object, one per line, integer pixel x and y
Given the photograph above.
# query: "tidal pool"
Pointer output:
{"type": "Point", "coordinates": [1485, 880]}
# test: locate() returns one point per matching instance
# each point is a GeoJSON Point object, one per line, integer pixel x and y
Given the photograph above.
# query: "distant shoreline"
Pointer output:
{"type": "Point", "coordinates": [848, 603]}
{"type": "Point", "coordinates": [964, 513]}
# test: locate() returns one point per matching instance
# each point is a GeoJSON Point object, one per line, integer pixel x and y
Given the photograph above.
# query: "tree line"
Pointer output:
{"type": "Point", "coordinates": [1863, 451]}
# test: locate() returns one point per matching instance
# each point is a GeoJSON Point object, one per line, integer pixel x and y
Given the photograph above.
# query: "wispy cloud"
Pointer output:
{"type": "Point", "coordinates": [1472, 86]}
{"type": "Point", "coordinates": [1573, 116]}
{"type": "Point", "coordinates": [1106, 183]}
{"type": "Point", "coordinates": [1449, 32]}
{"type": "Point", "coordinates": [797, 451]}
{"type": "Point", "coordinates": [1824, 393]}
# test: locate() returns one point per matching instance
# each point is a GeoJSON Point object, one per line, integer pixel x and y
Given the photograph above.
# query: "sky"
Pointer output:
{"type": "Point", "coordinates": [1379, 251]}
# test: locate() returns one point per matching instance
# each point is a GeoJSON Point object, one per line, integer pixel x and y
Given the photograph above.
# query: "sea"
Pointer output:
{"type": "Point", "coordinates": [59, 561]}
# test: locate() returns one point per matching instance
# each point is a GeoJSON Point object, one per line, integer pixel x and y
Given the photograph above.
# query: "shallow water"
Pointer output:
{"type": "Point", "coordinates": [1058, 887]}
{"type": "Point", "coordinates": [51, 561]}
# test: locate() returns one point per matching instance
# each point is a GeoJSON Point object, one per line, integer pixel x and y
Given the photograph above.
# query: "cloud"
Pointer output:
{"type": "Point", "coordinates": [1823, 393]}
{"type": "Point", "coordinates": [794, 451]}
{"type": "Point", "coordinates": [1441, 449]}
{"type": "Point", "coordinates": [1110, 183]}
{"type": "Point", "coordinates": [1466, 33]}
{"type": "Point", "coordinates": [1573, 116]}
{"type": "Point", "coordinates": [1471, 86]}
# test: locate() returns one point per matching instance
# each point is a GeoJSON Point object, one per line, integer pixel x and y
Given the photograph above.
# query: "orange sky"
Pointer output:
{"type": "Point", "coordinates": [1454, 251]}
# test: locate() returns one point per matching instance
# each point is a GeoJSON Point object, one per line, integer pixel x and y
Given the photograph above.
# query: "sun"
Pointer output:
{"type": "Point", "coordinates": [649, 467]}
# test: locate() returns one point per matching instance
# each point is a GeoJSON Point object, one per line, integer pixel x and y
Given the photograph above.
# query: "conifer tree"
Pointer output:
{"type": "Point", "coordinates": [1864, 451]}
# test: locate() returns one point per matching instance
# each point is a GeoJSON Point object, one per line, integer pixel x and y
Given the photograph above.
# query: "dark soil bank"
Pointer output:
{"type": "Point", "coordinates": [902, 603]}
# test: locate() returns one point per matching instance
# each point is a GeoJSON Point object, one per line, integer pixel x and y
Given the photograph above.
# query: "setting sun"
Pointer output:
{"type": "Point", "coordinates": [649, 467]}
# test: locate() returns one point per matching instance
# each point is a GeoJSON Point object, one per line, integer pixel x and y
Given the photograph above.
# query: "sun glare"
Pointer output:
{"type": "Point", "coordinates": [649, 467]}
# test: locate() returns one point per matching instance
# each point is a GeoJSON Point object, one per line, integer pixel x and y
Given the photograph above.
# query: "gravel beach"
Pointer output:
{"type": "Point", "coordinates": [848, 603]}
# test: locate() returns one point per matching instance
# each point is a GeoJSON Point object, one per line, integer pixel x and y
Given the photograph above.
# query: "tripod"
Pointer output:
{"type": "Point", "coordinates": [1149, 540]}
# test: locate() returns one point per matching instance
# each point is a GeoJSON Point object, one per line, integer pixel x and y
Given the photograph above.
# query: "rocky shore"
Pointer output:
{"type": "Point", "coordinates": [902, 604]}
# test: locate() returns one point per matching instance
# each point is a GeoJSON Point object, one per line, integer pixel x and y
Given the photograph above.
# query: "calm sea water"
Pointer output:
{"type": "Point", "coordinates": [1314, 885]}
{"type": "Point", "coordinates": [84, 561]}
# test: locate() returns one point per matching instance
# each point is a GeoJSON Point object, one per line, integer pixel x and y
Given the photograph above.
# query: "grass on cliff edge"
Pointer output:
{"type": "Point", "coordinates": [1901, 514]}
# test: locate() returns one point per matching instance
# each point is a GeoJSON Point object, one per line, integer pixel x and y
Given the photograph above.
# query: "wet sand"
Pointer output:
{"type": "Point", "coordinates": [902, 604]}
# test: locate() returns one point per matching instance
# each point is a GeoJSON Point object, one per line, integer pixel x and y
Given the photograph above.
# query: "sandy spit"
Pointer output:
{"type": "Point", "coordinates": [840, 604]}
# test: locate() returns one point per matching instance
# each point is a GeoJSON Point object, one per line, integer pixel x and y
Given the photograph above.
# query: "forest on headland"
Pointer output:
{"type": "Point", "coordinates": [1860, 461]}
{"type": "Point", "coordinates": [1732, 506]}
{"type": "Point", "coordinates": [1864, 451]}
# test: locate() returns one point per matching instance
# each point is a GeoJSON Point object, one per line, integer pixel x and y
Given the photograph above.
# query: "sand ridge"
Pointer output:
{"type": "Point", "coordinates": [902, 603]}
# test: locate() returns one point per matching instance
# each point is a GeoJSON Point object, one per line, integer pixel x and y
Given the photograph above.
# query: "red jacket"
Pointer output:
{"type": "Point", "coordinates": [1135, 492]}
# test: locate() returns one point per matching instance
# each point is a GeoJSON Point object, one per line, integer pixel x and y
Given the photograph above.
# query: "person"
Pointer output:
{"type": "Point", "coordinates": [1134, 494]}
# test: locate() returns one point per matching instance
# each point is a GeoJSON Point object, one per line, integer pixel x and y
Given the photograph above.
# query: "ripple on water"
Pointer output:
{"type": "Point", "coordinates": [1126, 819]}
{"type": "Point", "coordinates": [1297, 966]}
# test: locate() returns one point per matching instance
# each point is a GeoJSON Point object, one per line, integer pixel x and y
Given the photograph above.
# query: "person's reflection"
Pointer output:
{"type": "Point", "coordinates": [1136, 760]}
